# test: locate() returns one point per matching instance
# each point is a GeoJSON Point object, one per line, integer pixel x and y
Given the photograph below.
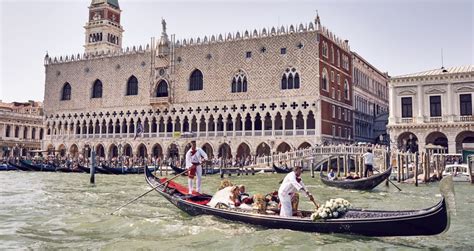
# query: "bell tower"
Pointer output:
{"type": "Point", "coordinates": [103, 29]}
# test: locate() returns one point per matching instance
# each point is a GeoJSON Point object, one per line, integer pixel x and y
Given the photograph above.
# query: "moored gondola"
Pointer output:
{"type": "Point", "coordinates": [207, 171]}
{"type": "Point", "coordinates": [282, 169]}
{"type": "Point", "coordinates": [357, 184]}
{"type": "Point", "coordinates": [38, 167]}
{"type": "Point", "coordinates": [429, 221]}
{"type": "Point", "coordinates": [19, 166]}
{"type": "Point", "coordinates": [7, 167]}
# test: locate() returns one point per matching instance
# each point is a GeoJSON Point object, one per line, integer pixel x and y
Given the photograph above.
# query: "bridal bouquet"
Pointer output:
{"type": "Point", "coordinates": [331, 209]}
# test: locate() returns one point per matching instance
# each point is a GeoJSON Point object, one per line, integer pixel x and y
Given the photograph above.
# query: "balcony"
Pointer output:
{"type": "Point", "coordinates": [155, 101]}
{"type": "Point", "coordinates": [407, 120]}
{"type": "Point", "coordinates": [466, 118]}
{"type": "Point", "coordinates": [435, 119]}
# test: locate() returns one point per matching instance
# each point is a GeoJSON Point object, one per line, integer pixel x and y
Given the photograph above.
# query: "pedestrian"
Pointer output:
{"type": "Point", "coordinates": [194, 157]}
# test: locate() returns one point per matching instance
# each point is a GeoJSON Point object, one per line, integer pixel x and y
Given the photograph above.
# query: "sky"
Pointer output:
{"type": "Point", "coordinates": [395, 36]}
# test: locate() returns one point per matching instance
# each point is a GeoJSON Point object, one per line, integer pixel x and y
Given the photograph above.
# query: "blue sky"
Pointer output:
{"type": "Point", "coordinates": [400, 37]}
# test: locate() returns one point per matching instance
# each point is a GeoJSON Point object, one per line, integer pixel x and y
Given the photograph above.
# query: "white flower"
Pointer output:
{"type": "Point", "coordinates": [335, 214]}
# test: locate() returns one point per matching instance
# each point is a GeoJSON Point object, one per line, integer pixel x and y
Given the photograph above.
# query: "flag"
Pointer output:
{"type": "Point", "coordinates": [139, 131]}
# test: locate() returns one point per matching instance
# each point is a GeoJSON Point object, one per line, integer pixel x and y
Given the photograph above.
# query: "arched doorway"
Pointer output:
{"type": "Point", "coordinates": [208, 149]}
{"type": "Point", "coordinates": [304, 145]}
{"type": "Point", "coordinates": [113, 151]}
{"type": "Point", "coordinates": [438, 139]}
{"type": "Point", "coordinates": [142, 151]}
{"type": "Point", "coordinates": [50, 149]}
{"type": "Point", "coordinates": [173, 151]}
{"type": "Point", "coordinates": [465, 137]}
{"type": "Point", "coordinates": [74, 151]}
{"type": "Point", "coordinates": [62, 150]}
{"type": "Point", "coordinates": [127, 150]}
{"type": "Point", "coordinates": [157, 151]}
{"type": "Point", "coordinates": [263, 149]}
{"type": "Point", "coordinates": [225, 151]}
{"type": "Point", "coordinates": [408, 141]}
{"type": "Point", "coordinates": [283, 148]}
{"type": "Point", "coordinates": [99, 151]}
{"type": "Point", "coordinates": [243, 151]}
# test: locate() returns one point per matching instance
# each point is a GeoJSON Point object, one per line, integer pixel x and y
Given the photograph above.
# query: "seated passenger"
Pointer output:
{"type": "Point", "coordinates": [243, 196]}
{"type": "Point", "coordinates": [227, 197]}
{"type": "Point", "coordinates": [332, 175]}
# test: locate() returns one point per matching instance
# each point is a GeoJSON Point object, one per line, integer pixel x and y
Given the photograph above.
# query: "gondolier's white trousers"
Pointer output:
{"type": "Point", "coordinates": [198, 181]}
{"type": "Point", "coordinates": [286, 209]}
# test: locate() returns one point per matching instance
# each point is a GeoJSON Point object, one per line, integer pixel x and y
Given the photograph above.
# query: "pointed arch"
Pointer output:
{"type": "Point", "coordinates": [283, 147]}
{"type": "Point", "coordinates": [142, 151]}
{"type": "Point", "coordinates": [258, 122]}
{"type": "Point", "coordinates": [132, 86]}
{"type": "Point", "coordinates": [113, 151]}
{"type": "Point", "coordinates": [66, 92]}
{"type": "Point", "coordinates": [127, 150]}
{"type": "Point", "coordinates": [196, 80]}
{"type": "Point", "coordinates": [207, 148]}
{"type": "Point", "coordinates": [99, 151]}
{"type": "Point", "coordinates": [97, 89]}
{"type": "Point", "coordinates": [157, 151]}
{"type": "Point", "coordinates": [162, 89]}
{"type": "Point", "coordinates": [263, 149]}
{"type": "Point", "coordinates": [243, 151]}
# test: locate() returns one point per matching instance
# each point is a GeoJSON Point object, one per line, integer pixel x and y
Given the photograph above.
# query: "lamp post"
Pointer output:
{"type": "Point", "coordinates": [92, 168]}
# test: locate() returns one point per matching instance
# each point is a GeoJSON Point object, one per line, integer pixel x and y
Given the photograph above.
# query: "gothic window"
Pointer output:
{"type": "Point", "coordinates": [324, 80]}
{"type": "Point", "coordinates": [97, 89]}
{"type": "Point", "coordinates": [290, 79]}
{"type": "Point", "coordinates": [66, 93]}
{"type": "Point", "coordinates": [132, 86]}
{"type": "Point", "coordinates": [239, 82]}
{"type": "Point", "coordinates": [325, 49]}
{"type": "Point", "coordinates": [346, 90]}
{"type": "Point", "coordinates": [196, 81]}
{"type": "Point", "coordinates": [162, 90]}
{"type": "Point", "coordinates": [338, 59]}
{"type": "Point", "coordinates": [332, 54]}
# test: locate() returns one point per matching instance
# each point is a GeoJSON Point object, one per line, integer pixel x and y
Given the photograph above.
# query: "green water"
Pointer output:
{"type": "Point", "coordinates": [44, 211]}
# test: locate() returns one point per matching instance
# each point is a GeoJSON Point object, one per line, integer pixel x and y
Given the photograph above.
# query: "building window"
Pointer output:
{"type": "Point", "coordinates": [324, 80]}
{"type": "Point", "coordinates": [338, 79]}
{"type": "Point", "coordinates": [239, 82]}
{"type": "Point", "coordinates": [346, 90]}
{"type": "Point", "coordinates": [248, 54]}
{"type": "Point", "coordinates": [333, 112]}
{"type": "Point", "coordinates": [283, 51]}
{"type": "Point", "coordinates": [340, 132]}
{"type": "Point", "coordinates": [338, 59]}
{"type": "Point", "coordinates": [407, 107]}
{"type": "Point", "coordinates": [325, 49]}
{"type": "Point", "coordinates": [162, 89]}
{"type": "Point", "coordinates": [465, 104]}
{"type": "Point", "coordinates": [66, 93]}
{"type": "Point", "coordinates": [332, 76]}
{"type": "Point", "coordinates": [332, 54]}
{"type": "Point", "coordinates": [333, 131]}
{"type": "Point", "coordinates": [339, 95]}
{"type": "Point", "coordinates": [339, 112]}
{"type": "Point", "coordinates": [290, 79]}
{"type": "Point", "coordinates": [132, 86]}
{"type": "Point", "coordinates": [333, 93]}
{"type": "Point", "coordinates": [97, 89]}
{"type": "Point", "coordinates": [435, 106]}
{"type": "Point", "coordinates": [196, 80]}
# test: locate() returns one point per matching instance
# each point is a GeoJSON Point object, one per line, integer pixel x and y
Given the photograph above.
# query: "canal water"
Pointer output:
{"type": "Point", "coordinates": [63, 211]}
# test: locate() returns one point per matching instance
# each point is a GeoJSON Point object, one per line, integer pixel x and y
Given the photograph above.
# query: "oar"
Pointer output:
{"type": "Point", "coordinates": [388, 180]}
{"type": "Point", "coordinates": [161, 184]}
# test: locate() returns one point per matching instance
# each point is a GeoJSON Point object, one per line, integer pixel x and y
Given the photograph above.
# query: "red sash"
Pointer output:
{"type": "Point", "coordinates": [192, 169]}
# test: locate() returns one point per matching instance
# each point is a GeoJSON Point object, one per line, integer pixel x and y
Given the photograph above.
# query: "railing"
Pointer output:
{"type": "Point", "coordinates": [202, 134]}
{"type": "Point", "coordinates": [435, 119]}
{"type": "Point", "coordinates": [407, 120]}
{"type": "Point", "coordinates": [466, 118]}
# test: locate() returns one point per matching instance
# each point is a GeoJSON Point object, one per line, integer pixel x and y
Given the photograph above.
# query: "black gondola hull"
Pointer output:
{"type": "Point", "coordinates": [281, 170]}
{"type": "Point", "coordinates": [430, 221]}
{"type": "Point", "coordinates": [38, 167]}
{"type": "Point", "coordinates": [358, 184]}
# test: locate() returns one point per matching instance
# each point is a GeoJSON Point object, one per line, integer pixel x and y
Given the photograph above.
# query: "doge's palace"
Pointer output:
{"type": "Point", "coordinates": [245, 93]}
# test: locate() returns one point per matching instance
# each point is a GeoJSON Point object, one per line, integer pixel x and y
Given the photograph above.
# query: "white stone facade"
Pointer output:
{"type": "Point", "coordinates": [426, 120]}
{"type": "Point", "coordinates": [265, 118]}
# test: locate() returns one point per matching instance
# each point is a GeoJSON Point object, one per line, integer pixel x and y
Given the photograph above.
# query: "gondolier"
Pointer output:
{"type": "Point", "coordinates": [193, 163]}
{"type": "Point", "coordinates": [291, 183]}
{"type": "Point", "coordinates": [368, 162]}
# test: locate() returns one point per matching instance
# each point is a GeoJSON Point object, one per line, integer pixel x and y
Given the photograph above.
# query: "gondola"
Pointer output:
{"type": "Point", "coordinates": [429, 221]}
{"type": "Point", "coordinates": [19, 166]}
{"type": "Point", "coordinates": [281, 169]}
{"type": "Point", "coordinates": [7, 167]}
{"type": "Point", "coordinates": [357, 184]}
{"type": "Point", "coordinates": [97, 170]}
{"type": "Point", "coordinates": [124, 170]}
{"type": "Point", "coordinates": [38, 167]}
{"type": "Point", "coordinates": [207, 171]}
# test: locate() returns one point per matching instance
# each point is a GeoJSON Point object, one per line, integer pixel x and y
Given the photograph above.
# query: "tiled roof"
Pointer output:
{"type": "Point", "coordinates": [435, 72]}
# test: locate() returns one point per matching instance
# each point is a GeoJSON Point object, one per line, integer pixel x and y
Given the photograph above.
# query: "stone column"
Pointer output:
{"type": "Point", "coordinates": [305, 126]}
{"type": "Point", "coordinates": [252, 119]}
{"type": "Point", "coordinates": [449, 99]}
{"type": "Point", "coordinates": [419, 96]}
